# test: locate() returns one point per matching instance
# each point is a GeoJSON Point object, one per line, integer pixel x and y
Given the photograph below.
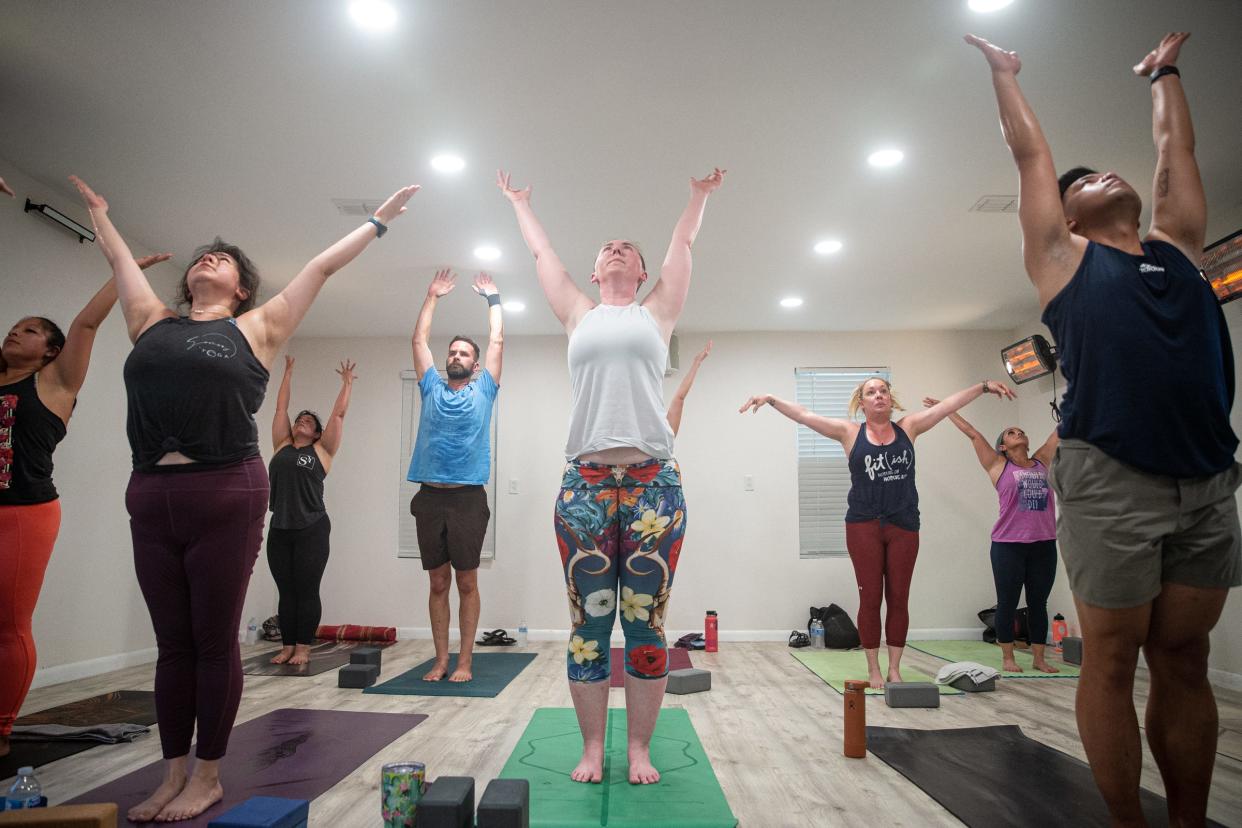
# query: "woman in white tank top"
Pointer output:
{"type": "Point", "coordinates": [620, 516]}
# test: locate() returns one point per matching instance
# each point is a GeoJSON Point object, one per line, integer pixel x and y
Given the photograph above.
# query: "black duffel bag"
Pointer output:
{"type": "Point", "coordinates": [839, 630]}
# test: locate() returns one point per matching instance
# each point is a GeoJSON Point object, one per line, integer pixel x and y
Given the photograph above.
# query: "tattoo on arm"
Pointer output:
{"type": "Point", "coordinates": [1162, 183]}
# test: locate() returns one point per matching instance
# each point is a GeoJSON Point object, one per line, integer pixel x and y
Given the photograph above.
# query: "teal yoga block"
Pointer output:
{"type": "Point", "coordinates": [265, 812]}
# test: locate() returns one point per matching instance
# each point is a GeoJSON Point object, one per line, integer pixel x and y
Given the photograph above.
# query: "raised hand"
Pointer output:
{"type": "Point", "coordinates": [1165, 53]}
{"type": "Point", "coordinates": [506, 187]}
{"type": "Point", "coordinates": [702, 355]}
{"type": "Point", "coordinates": [710, 183]}
{"type": "Point", "coordinates": [484, 286]}
{"type": "Point", "coordinates": [346, 371]}
{"type": "Point", "coordinates": [999, 389]}
{"type": "Point", "coordinates": [6, 189]}
{"type": "Point", "coordinates": [442, 284]}
{"type": "Point", "coordinates": [94, 201]}
{"type": "Point", "coordinates": [755, 403]}
{"type": "Point", "coordinates": [997, 58]}
{"type": "Point", "coordinates": [928, 402]}
{"type": "Point", "coordinates": [395, 205]}
{"type": "Point", "coordinates": [148, 261]}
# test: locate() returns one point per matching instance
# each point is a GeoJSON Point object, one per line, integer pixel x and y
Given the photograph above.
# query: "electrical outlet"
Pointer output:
{"type": "Point", "coordinates": [748, 482]}
{"type": "Point", "coordinates": [513, 485]}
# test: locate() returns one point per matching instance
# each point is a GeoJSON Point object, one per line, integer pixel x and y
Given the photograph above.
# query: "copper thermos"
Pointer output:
{"type": "Point", "coordinates": [856, 719]}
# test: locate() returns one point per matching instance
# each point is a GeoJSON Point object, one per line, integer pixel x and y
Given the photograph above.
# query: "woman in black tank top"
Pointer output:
{"type": "Point", "coordinates": [194, 384]}
{"type": "Point", "coordinates": [882, 521]}
{"type": "Point", "coordinates": [297, 541]}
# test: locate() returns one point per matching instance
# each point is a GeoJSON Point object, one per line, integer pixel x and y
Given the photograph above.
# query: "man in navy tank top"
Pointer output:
{"type": "Point", "coordinates": [1145, 472]}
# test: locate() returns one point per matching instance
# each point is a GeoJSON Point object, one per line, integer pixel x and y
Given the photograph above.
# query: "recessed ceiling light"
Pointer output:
{"type": "Point", "coordinates": [885, 158]}
{"type": "Point", "coordinates": [791, 302]}
{"type": "Point", "coordinates": [373, 15]}
{"type": "Point", "coordinates": [514, 306]}
{"type": "Point", "coordinates": [987, 5]}
{"type": "Point", "coordinates": [487, 252]}
{"type": "Point", "coordinates": [448, 163]}
{"type": "Point", "coordinates": [828, 247]}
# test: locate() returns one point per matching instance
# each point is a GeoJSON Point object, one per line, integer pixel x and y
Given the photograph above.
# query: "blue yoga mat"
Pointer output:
{"type": "Point", "coordinates": [492, 674]}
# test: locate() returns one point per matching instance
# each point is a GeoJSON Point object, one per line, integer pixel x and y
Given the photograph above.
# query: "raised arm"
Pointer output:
{"type": "Point", "coordinates": [424, 360]}
{"type": "Point", "coordinates": [494, 360]}
{"type": "Point", "coordinates": [282, 426]}
{"type": "Point", "coordinates": [330, 440]}
{"type": "Point", "coordinates": [1049, 251]}
{"type": "Point", "coordinates": [669, 294]}
{"type": "Point", "coordinates": [567, 300]}
{"type": "Point", "coordinates": [139, 304]}
{"type": "Point", "coordinates": [920, 421]}
{"type": "Point", "coordinates": [678, 404]}
{"type": "Point", "coordinates": [6, 189]}
{"type": "Point", "coordinates": [1179, 208]}
{"type": "Point", "coordinates": [837, 429]}
{"type": "Point", "coordinates": [993, 462]}
{"type": "Point", "coordinates": [270, 325]}
{"type": "Point", "coordinates": [1045, 452]}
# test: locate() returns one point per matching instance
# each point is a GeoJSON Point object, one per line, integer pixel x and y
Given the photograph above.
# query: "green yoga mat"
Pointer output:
{"type": "Point", "coordinates": [989, 655]}
{"type": "Point", "coordinates": [492, 673]}
{"type": "Point", "coordinates": [687, 795]}
{"type": "Point", "coordinates": [835, 666]}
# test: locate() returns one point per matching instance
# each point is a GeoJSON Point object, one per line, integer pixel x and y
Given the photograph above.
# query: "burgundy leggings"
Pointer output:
{"type": "Point", "coordinates": [883, 556]}
{"type": "Point", "coordinates": [196, 537]}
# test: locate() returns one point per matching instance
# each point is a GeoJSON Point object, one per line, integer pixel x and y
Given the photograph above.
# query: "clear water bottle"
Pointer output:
{"type": "Point", "coordinates": [252, 632]}
{"type": "Point", "coordinates": [522, 633]}
{"type": "Point", "coordinates": [817, 634]}
{"type": "Point", "coordinates": [25, 792]}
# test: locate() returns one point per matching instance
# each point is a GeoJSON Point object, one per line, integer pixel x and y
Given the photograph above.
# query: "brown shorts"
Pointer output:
{"type": "Point", "coordinates": [451, 524]}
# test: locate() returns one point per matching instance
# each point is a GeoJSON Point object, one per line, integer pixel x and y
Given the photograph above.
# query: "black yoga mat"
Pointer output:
{"type": "Point", "coordinates": [118, 707]}
{"type": "Point", "coordinates": [987, 776]}
{"type": "Point", "coordinates": [324, 656]}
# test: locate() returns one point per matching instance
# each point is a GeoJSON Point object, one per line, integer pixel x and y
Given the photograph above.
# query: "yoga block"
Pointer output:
{"type": "Point", "coordinates": [357, 675]}
{"type": "Point", "coordinates": [448, 803]}
{"type": "Point", "coordinates": [911, 694]}
{"type": "Point", "coordinates": [366, 655]}
{"type": "Point", "coordinates": [265, 812]}
{"type": "Point", "coordinates": [505, 804]}
{"type": "Point", "coordinates": [690, 680]}
{"type": "Point", "coordinates": [64, 816]}
{"type": "Point", "coordinates": [1071, 650]}
{"type": "Point", "coordinates": [969, 685]}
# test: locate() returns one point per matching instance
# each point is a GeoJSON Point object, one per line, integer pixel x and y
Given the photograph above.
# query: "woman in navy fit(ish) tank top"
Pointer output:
{"type": "Point", "coordinates": [882, 521]}
{"type": "Point", "coordinates": [193, 386]}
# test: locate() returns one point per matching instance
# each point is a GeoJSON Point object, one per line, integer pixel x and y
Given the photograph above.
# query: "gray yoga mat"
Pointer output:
{"type": "Point", "coordinates": [324, 656]}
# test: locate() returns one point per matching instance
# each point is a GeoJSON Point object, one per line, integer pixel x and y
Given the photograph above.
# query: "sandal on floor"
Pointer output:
{"type": "Point", "coordinates": [797, 638]}
{"type": "Point", "coordinates": [496, 638]}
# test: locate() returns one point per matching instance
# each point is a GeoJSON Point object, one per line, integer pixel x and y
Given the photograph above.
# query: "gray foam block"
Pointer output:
{"type": "Point", "coordinates": [1071, 650]}
{"type": "Point", "coordinates": [505, 804]}
{"type": "Point", "coordinates": [448, 803]}
{"type": "Point", "coordinates": [357, 675]}
{"type": "Point", "coordinates": [366, 655]}
{"type": "Point", "coordinates": [911, 694]}
{"type": "Point", "coordinates": [968, 684]}
{"type": "Point", "coordinates": [690, 680]}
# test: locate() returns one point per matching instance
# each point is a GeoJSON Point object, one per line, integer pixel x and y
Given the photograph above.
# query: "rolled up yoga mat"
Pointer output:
{"type": "Point", "coordinates": [355, 632]}
{"type": "Point", "coordinates": [492, 673]}
{"type": "Point", "coordinates": [989, 655]}
{"type": "Point", "coordinates": [136, 707]}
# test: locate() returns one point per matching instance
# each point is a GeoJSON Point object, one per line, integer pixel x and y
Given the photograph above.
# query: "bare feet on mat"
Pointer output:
{"type": "Point", "coordinates": [284, 655]}
{"type": "Point", "coordinates": [875, 679]}
{"type": "Point", "coordinates": [894, 676]}
{"type": "Point", "coordinates": [462, 673]}
{"type": "Point", "coordinates": [301, 654]}
{"type": "Point", "coordinates": [591, 768]}
{"type": "Point", "coordinates": [198, 795]}
{"type": "Point", "coordinates": [642, 772]}
{"type": "Point", "coordinates": [148, 809]}
{"type": "Point", "coordinates": [1010, 666]}
{"type": "Point", "coordinates": [437, 671]}
{"type": "Point", "coordinates": [1044, 667]}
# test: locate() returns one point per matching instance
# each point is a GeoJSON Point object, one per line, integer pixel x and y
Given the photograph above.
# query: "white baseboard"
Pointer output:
{"type": "Point", "coordinates": [951, 633]}
{"type": "Point", "coordinates": [91, 667]}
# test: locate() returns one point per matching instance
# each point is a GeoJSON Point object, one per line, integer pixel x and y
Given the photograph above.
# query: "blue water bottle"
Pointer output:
{"type": "Point", "coordinates": [25, 792]}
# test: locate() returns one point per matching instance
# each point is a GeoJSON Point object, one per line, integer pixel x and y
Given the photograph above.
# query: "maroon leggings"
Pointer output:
{"type": "Point", "coordinates": [196, 537]}
{"type": "Point", "coordinates": [883, 556]}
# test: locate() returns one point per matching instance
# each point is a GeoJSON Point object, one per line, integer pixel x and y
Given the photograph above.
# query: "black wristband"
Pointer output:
{"type": "Point", "coordinates": [1164, 70]}
{"type": "Point", "coordinates": [380, 227]}
{"type": "Point", "coordinates": [493, 299]}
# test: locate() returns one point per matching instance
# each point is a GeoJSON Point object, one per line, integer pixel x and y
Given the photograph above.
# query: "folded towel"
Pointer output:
{"type": "Point", "coordinates": [108, 734]}
{"type": "Point", "coordinates": [978, 673]}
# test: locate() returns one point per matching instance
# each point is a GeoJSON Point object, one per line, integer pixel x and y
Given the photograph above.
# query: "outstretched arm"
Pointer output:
{"type": "Point", "coordinates": [1045, 452]}
{"type": "Point", "coordinates": [920, 421]}
{"type": "Point", "coordinates": [330, 440]}
{"type": "Point", "coordinates": [424, 360]}
{"type": "Point", "coordinates": [1179, 208]}
{"type": "Point", "coordinates": [568, 302]}
{"type": "Point", "coordinates": [494, 360]}
{"type": "Point", "coordinates": [679, 398]}
{"type": "Point", "coordinates": [282, 427]}
{"type": "Point", "coordinates": [669, 295]}
{"type": "Point", "coordinates": [1050, 252]}
{"type": "Point", "coordinates": [991, 460]}
{"type": "Point", "coordinates": [837, 429]}
{"type": "Point", "coordinates": [141, 307]}
{"type": "Point", "coordinates": [270, 325]}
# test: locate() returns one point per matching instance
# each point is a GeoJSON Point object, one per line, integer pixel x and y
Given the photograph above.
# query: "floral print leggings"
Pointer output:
{"type": "Point", "coordinates": [619, 527]}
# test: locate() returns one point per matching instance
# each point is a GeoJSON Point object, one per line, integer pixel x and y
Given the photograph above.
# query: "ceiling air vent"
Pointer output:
{"type": "Point", "coordinates": [996, 204]}
{"type": "Point", "coordinates": [360, 207]}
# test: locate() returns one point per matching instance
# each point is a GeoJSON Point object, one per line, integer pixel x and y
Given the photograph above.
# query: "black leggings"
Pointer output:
{"type": "Point", "coordinates": [1017, 565]}
{"type": "Point", "coordinates": [298, 558]}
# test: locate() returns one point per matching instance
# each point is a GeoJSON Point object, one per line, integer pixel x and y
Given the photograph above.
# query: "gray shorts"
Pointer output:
{"type": "Point", "coordinates": [1123, 532]}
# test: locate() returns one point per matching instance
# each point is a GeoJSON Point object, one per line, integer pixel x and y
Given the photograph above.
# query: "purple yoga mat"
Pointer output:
{"type": "Point", "coordinates": [678, 659]}
{"type": "Point", "coordinates": [296, 754]}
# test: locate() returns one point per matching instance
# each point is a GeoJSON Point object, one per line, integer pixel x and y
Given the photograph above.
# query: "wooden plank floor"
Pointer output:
{"type": "Point", "coordinates": [771, 728]}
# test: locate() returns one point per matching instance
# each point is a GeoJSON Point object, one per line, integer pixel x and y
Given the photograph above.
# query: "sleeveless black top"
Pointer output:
{"type": "Point", "coordinates": [29, 432]}
{"type": "Point", "coordinates": [296, 476]}
{"type": "Point", "coordinates": [193, 387]}
{"type": "Point", "coordinates": [882, 481]}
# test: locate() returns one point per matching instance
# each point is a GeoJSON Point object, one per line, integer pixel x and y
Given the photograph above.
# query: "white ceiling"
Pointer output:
{"type": "Point", "coordinates": [245, 118]}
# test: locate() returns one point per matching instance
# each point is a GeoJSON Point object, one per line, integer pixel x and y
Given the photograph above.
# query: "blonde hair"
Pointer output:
{"type": "Point", "coordinates": [856, 397]}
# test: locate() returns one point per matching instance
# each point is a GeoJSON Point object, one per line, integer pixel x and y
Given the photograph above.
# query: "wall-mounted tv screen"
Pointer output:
{"type": "Point", "coordinates": [1222, 267]}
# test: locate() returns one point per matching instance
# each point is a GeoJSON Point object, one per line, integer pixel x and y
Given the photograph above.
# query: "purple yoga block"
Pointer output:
{"type": "Point", "coordinates": [265, 812]}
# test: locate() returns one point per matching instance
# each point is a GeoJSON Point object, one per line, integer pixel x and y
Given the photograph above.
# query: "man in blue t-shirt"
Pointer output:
{"type": "Point", "coordinates": [453, 460]}
{"type": "Point", "coordinates": [1145, 473]}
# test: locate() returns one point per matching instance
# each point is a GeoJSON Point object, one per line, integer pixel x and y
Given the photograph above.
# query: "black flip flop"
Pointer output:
{"type": "Point", "coordinates": [496, 638]}
{"type": "Point", "coordinates": [797, 639]}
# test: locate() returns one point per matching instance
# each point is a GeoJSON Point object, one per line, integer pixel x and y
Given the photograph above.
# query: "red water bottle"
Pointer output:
{"type": "Point", "coordinates": [855, 718]}
{"type": "Point", "coordinates": [709, 632]}
{"type": "Point", "coordinates": [1059, 630]}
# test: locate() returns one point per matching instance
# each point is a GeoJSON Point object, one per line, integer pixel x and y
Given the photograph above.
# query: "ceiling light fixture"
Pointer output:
{"type": "Point", "coordinates": [84, 234]}
{"type": "Point", "coordinates": [373, 15]}
{"type": "Point", "coordinates": [487, 252]}
{"type": "Point", "coordinates": [791, 302]}
{"type": "Point", "coordinates": [514, 306]}
{"type": "Point", "coordinates": [985, 6]}
{"type": "Point", "coordinates": [828, 247]}
{"type": "Point", "coordinates": [885, 158]}
{"type": "Point", "coordinates": [448, 163]}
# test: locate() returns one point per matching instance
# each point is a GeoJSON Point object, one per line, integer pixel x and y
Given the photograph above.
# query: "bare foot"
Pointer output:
{"type": "Point", "coordinates": [147, 810]}
{"type": "Point", "coordinates": [591, 768]}
{"type": "Point", "coordinates": [284, 655]}
{"type": "Point", "coordinates": [437, 671]}
{"type": "Point", "coordinates": [876, 680]}
{"type": "Point", "coordinates": [894, 676]}
{"type": "Point", "coordinates": [642, 772]}
{"type": "Point", "coordinates": [1044, 667]}
{"type": "Point", "coordinates": [301, 654]}
{"type": "Point", "coordinates": [462, 673]}
{"type": "Point", "coordinates": [1011, 666]}
{"type": "Point", "coordinates": [198, 795]}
